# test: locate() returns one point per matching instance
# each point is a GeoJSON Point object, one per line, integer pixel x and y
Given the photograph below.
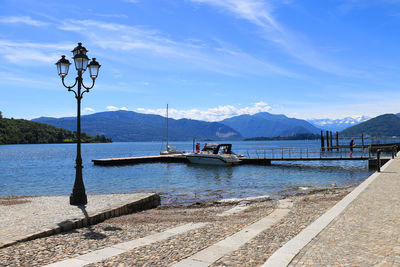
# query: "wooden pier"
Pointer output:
{"type": "Point", "coordinates": [138, 160]}
{"type": "Point", "coordinates": [265, 156]}
{"type": "Point", "coordinates": [372, 161]}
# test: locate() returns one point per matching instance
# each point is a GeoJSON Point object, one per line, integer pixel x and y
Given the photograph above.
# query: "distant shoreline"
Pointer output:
{"type": "Point", "coordinates": [304, 136]}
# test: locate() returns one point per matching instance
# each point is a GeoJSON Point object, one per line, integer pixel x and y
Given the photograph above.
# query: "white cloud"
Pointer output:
{"type": "Point", "coordinates": [88, 110]}
{"type": "Point", "coordinates": [211, 114]}
{"type": "Point", "coordinates": [112, 108]}
{"type": "Point", "coordinates": [22, 19]}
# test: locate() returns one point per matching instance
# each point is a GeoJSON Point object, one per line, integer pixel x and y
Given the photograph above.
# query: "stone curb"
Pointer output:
{"type": "Point", "coordinates": [148, 202]}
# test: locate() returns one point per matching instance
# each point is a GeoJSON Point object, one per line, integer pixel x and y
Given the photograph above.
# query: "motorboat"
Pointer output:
{"type": "Point", "coordinates": [214, 154]}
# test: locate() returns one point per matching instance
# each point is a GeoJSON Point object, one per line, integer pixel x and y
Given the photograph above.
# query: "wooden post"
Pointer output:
{"type": "Point", "coordinates": [331, 145]}
{"type": "Point", "coordinates": [362, 140]}
{"type": "Point", "coordinates": [322, 141]}
{"type": "Point", "coordinates": [337, 141]}
{"type": "Point", "coordinates": [327, 140]}
{"type": "Point", "coordinates": [378, 160]}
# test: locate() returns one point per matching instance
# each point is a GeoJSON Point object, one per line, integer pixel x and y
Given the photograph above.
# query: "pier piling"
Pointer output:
{"type": "Point", "coordinates": [337, 141]}
{"type": "Point", "coordinates": [327, 141]}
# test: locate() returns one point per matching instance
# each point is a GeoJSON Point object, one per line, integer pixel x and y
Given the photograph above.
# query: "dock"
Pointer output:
{"type": "Point", "coordinates": [260, 160]}
{"type": "Point", "coordinates": [143, 159]}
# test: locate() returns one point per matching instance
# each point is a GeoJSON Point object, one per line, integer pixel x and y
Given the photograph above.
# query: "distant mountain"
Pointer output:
{"type": "Point", "coordinates": [383, 125]}
{"type": "Point", "coordinates": [339, 124]}
{"type": "Point", "coordinates": [265, 124]}
{"type": "Point", "coordinates": [125, 126]}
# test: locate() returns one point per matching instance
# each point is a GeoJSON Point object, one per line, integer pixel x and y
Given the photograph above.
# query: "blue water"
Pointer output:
{"type": "Point", "coordinates": [49, 170]}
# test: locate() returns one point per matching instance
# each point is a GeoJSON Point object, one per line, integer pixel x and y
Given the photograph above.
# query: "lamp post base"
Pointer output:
{"type": "Point", "coordinates": [78, 200]}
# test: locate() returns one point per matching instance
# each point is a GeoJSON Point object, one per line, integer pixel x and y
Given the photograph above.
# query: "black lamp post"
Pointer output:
{"type": "Point", "coordinates": [78, 196]}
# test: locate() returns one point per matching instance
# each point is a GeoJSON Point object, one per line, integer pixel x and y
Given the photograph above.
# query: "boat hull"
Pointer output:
{"type": "Point", "coordinates": [212, 160]}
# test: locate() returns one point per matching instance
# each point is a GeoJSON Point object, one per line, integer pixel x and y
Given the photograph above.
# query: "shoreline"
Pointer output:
{"type": "Point", "coordinates": [306, 208]}
{"type": "Point", "coordinates": [10, 200]}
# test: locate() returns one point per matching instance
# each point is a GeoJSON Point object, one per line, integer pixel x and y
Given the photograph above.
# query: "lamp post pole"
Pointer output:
{"type": "Point", "coordinates": [78, 195]}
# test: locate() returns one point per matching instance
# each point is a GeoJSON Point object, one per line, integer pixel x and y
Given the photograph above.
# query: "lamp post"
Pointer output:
{"type": "Point", "coordinates": [78, 195]}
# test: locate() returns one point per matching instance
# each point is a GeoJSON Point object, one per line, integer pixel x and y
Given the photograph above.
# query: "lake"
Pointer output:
{"type": "Point", "coordinates": [48, 169]}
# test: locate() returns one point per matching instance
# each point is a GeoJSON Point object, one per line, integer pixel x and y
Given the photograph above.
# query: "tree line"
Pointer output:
{"type": "Point", "coordinates": [19, 131]}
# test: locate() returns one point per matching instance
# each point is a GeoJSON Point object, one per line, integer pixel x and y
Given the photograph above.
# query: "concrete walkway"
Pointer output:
{"type": "Point", "coordinates": [364, 232]}
{"type": "Point", "coordinates": [37, 217]}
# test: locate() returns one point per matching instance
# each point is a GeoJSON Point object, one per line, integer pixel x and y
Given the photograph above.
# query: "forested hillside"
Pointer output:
{"type": "Point", "coordinates": [18, 131]}
{"type": "Point", "coordinates": [383, 125]}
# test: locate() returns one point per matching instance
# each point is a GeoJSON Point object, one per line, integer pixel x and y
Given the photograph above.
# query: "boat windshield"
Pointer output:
{"type": "Point", "coordinates": [215, 148]}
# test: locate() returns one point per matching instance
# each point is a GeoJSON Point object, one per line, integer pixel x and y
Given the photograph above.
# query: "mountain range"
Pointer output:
{"type": "Point", "coordinates": [383, 125]}
{"type": "Point", "coordinates": [125, 126]}
{"type": "Point", "coordinates": [338, 124]}
{"type": "Point", "coordinates": [269, 125]}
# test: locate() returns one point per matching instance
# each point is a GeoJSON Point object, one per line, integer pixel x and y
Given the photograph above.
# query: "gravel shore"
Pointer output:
{"type": "Point", "coordinates": [307, 208]}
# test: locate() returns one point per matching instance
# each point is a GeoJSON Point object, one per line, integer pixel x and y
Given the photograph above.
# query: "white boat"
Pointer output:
{"type": "Point", "coordinates": [214, 154]}
{"type": "Point", "coordinates": [170, 150]}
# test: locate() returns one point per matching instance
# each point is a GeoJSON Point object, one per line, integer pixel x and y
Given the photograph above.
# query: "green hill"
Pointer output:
{"type": "Point", "coordinates": [383, 125]}
{"type": "Point", "coordinates": [18, 131]}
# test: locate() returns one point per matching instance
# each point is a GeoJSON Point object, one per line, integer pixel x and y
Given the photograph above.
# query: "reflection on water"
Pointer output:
{"type": "Point", "coordinates": [218, 173]}
{"type": "Point", "coordinates": [49, 170]}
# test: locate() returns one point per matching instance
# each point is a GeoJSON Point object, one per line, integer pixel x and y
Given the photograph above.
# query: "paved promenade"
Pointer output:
{"type": "Point", "coordinates": [365, 233]}
{"type": "Point", "coordinates": [43, 216]}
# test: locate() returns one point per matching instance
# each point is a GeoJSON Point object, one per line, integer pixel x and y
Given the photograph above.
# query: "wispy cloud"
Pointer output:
{"type": "Point", "coordinates": [255, 11]}
{"type": "Point", "coordinates": [7, 78]}
{"type": "Point", "coordinates": [211, 114]}
{"type": "Point", "coordinates": [261, 13]}
{"type": "Point", "coordinates": [22, 19]}
{"type": "Point", "coordinates": [191, 53]}
{"type": "Point", "coordinates": [25, 52]}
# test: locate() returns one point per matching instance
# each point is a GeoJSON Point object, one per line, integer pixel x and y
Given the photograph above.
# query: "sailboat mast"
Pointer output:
{"type": "Point", "coordinates": [167, 126]}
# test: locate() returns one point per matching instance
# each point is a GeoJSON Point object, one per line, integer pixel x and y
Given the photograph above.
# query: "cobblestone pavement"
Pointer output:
{"type": "Point", "coordinates": [366, 233]}
{"type": "Point", "coordinates": [25, 216]}
{"type": "Point", "coordinates": [81, 241]}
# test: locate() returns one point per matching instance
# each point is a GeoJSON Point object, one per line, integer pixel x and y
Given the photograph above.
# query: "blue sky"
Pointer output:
{"type": "Point", "coordinates": [208, 59]}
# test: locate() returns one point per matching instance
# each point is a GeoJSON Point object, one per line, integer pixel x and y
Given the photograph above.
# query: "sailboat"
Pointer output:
{"type": "Point", "coordinates": [170, 150]}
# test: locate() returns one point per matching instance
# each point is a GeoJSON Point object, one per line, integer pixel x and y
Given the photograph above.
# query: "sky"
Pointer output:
{"type": "Point", "coordinates": [207, 59]}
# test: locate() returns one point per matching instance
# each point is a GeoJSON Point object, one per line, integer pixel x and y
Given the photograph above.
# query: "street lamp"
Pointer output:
{"type": "Point", "coordinates": [78, 195]}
